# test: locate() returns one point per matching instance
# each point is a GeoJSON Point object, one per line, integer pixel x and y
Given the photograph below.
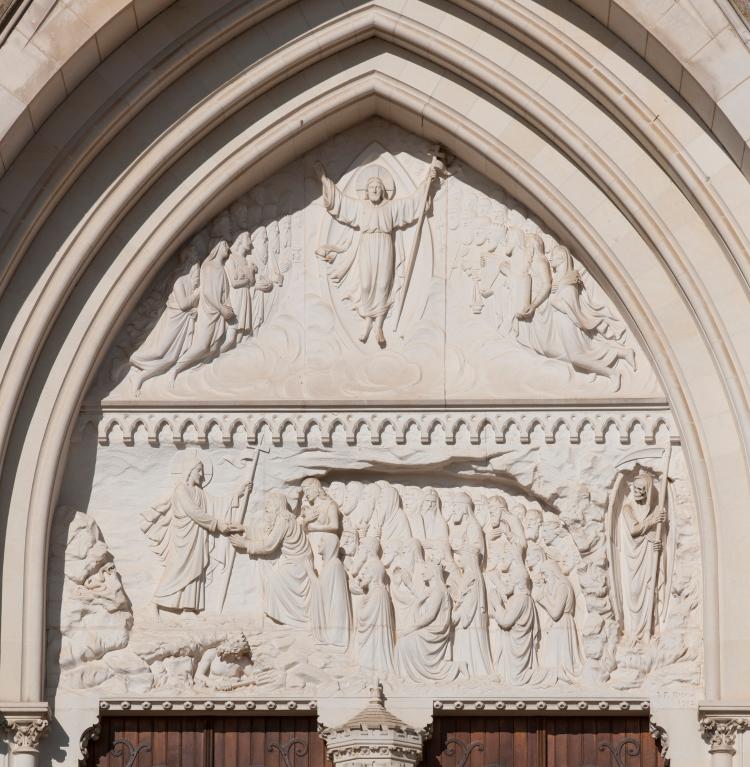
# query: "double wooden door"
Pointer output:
{"type": "Point", "coordinates": [543, 741]}
{"type": "Point", "coordinates": [202, 741]}
{"type": "Point", "coordinates": [293, 741]}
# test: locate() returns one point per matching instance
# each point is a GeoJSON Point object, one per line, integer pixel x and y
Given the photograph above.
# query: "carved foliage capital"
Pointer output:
{"type": "Point", "coordinates": [720, 732]}
{"type": "Point", "coordinates": [24, 734]}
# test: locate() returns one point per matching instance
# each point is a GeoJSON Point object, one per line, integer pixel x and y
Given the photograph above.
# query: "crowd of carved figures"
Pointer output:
{"type": "Point", "coordinates": [219, 291]}
{"type": "Point", "coordinates": [425, 584]}
{"type": "Point", "coordinates": [222, 285]}
{"type": "Point", "coordinates": [532, 289]}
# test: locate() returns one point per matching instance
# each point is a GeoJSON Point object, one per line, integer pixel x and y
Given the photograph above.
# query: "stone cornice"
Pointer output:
{"type": "Point", "coordinates": [544, 703]}
{"type": "Point", "coordinates": [175, 424]}
{"type": "Point", "coordinates": [217, 704]}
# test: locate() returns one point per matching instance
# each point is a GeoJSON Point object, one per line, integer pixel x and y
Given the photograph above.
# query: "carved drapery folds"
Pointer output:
{"type": "Point", "coordinates": [298, 485]}
{"type": "Point", "coordinates": [357, 279]}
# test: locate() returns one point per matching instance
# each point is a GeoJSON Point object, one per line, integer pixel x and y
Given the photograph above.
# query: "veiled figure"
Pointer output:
{"type": "Point", "coordinates": [559, 322]}
{"type": "Point", "coordinates": [173, 333]}
{"type": "Point", "coordinates": [214, 310]}
{"type": "Point", "coordinates": [424, 645]}
{"type": "Point", "coordinates": [376, 633]}
{"type": "Point", "coordinates": [288, 589]}
{"type": "Point", "coordinates": [330, 611]}
{"type": "Point", "coordinates": [471, 643]}
{"type": "Point", "coordinates": [641, 566]}
{"type": "Point", "coordinates": [389, 523]}
{"type": "Point", "coordinates": [180, 531]}
{"type": "Point", "coordinates": [516, 615]}
{"type": "Point", "coordinates": [376, 217]}
{"type": "Point", "coordinates": [560, 652]}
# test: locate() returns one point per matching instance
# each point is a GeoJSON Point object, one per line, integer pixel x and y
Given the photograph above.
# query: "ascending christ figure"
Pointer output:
{"type": "Point", "coordinates": [376, 217]}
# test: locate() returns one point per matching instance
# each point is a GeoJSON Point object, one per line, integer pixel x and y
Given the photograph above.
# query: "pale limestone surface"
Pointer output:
{"type": "Point", "coordinates": [547, 114]}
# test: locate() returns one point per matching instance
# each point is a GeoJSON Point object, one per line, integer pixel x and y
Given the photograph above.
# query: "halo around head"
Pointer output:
{"type": "Point", "coordinates": [185, 461]}
{"type": "Point", "coordinates": [376, 171]}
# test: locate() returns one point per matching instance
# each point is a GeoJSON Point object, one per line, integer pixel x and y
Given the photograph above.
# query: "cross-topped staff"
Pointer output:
{"type": "Point", "coordinates": [440, 159]}
{"type": "Point", "coordinates": [245, 459]}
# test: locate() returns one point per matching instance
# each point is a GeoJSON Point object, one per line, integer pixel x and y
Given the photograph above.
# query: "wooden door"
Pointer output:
{"type": "Point", "coordinates": [539, 741]}
{"type": "Point", "coordinates": [199, 741]}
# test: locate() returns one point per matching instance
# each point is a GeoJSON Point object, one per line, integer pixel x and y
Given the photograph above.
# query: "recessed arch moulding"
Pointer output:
{"type": "Point", "coordinates": [466, 481]}
{"type": "Point", "coordinates": [554, 341]}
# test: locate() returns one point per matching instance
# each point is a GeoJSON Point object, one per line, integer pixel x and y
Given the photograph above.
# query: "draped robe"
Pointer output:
{"type": "Point", "coordinates": [190, 517]}
{"type": "Point", "coordinates": [171, 336]}
{"type": "Point", "coordinates": [375, 254]}
{"type": "Point", "coordinates": [289, 585]}
{"type": "Point", "coordinates": [638, 573]}
{"type": "Point", "coordinates": [375, 628]}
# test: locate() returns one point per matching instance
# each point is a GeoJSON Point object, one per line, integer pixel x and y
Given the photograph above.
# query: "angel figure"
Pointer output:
{"type": "Point", "coordinates": [558, 320]}
{"type": "Point", "coordinates": [376, 217]}
{"type": "Point", "coordinates": [180, 531]}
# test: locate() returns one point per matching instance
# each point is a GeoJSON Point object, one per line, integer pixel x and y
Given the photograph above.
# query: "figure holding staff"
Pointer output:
{"type": "Point", "coordinates": [376, 216]}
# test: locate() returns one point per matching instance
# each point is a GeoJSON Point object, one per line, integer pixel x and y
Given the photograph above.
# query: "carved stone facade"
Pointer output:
{"type": "Point", "coordinates": [375, 345]}
{"type": "Point", "coordinates": [350, 531]}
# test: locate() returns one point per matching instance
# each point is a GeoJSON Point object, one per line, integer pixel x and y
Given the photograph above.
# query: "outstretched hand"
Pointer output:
{"type": "Point", "coordinates": [228, 528]}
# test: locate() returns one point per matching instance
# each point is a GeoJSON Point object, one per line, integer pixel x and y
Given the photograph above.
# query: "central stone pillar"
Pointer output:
{"type": "Point", "coordinates": [374, 738]}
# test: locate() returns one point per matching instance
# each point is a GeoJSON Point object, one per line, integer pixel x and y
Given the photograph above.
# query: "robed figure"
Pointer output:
{"type": "Point", "coordinates": [372, 257]}
{"type": "Point", "coordinates": [173, 333]}
{"type": "Point", "coordinates": [181, 530]}
{"type": "Point", "coordinates": [424, 645]}
{"type": "Point", "coordinates": [642, 568]}
{"type": "Point", "coordinates": [288, 588]}
{"type": "Point", "coordinates": [375, 636]}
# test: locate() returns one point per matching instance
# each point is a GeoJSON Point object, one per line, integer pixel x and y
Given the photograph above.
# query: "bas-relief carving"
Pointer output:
{"type": "Point", "coordinates": [391, 274]}
{"type": "Point", "coordinates": [433, 567]}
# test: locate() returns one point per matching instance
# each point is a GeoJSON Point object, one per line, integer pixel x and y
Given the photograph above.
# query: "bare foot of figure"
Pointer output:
{"type": "Point", "coordinates": [380, 337]}
{"type": "Point", "coordinates": [368, 327]}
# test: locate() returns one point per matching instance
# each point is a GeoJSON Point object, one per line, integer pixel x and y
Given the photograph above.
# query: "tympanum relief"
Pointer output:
{"type": "Point", "coordinates": [287, 568]}
{"type": "Point", "coordinates": [374, 421]}
{"type": "Point", "coordinates": [377, 267]}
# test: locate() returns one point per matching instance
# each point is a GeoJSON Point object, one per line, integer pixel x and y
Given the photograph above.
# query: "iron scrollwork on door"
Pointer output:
{"type": "Point", "coordinates": [466, 750]}
{"type": "Point", "coordinates": [622, 750]}
{"type": "Point", "coordinates": [289, 750]}
{"type": "Point", "coordinates": [122, 747]}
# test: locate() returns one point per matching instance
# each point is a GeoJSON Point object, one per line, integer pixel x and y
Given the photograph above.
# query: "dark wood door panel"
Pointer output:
{"type": "Point", "coordinates": [617, 741]}
{"type": "Point", "coordinates": [531, 741]}
{"type": "Point", "coordinates": [250, 741]}
{"type": "Point", "coordinates": [482, 741]}
{"type": "Point", "coordinates": [284, 741]}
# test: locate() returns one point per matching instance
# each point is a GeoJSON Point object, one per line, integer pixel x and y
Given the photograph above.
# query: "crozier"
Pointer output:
{"type": "Point", "coordinates": [375, 423]}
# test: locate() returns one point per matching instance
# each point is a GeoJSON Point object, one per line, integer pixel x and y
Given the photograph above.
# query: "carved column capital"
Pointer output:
{"type": "Point", "coordinates": [720, 732]}
{"type": "Point", "coordinates": [25, 734]}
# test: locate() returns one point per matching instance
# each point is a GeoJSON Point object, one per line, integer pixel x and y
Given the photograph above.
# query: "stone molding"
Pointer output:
{"type": "Point", "coordinates": [170, 424]}
{"type": "Point", "coordinates": [24, 725]}
{"type": "Point", "coordinates": [721, 723]}
{"type": "Point", "coordinates": [216, 704]}
{"type": "Point", "coordinates": [548, 703]}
